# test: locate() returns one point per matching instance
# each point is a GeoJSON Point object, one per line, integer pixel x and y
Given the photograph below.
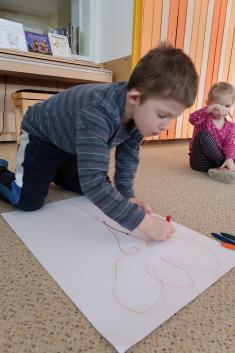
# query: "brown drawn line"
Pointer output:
{"type": "Point", "coordinates": [149, 270]}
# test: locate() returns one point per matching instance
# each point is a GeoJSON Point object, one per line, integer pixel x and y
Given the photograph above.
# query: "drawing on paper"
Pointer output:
{"type": "Point", "coordinates": [130, 260]}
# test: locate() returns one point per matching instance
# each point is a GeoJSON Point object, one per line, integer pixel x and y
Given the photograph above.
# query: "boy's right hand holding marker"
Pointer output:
{"type": "Point", "coordinates": [156, 228]}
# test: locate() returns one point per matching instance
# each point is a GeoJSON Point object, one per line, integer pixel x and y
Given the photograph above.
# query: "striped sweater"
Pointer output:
{"type": "Point", "coordinates": [86, 120]}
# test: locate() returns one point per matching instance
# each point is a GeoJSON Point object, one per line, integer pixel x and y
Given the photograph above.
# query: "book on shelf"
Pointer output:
{"type": "Point", "coordinates": [12, 35]}
{"type": "Point", "coordinates": [38, 43]}
{"type": "Point", "coordinates": [72, 33]}
{"type": "Point", "coordinates": [59, 45]}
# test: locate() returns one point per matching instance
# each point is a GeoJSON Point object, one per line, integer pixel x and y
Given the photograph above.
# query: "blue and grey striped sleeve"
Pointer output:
{"type": "Point", "coordinates": [127, 160]}
{"type": "Point", "coordinates": [94, 129]}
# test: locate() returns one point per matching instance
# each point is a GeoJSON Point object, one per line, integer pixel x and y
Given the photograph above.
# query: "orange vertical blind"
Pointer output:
{"type": "Point", "coordinates": [211, 49]}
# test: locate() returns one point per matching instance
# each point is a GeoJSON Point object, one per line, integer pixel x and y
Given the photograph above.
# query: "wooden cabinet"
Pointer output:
{"type": "Point", "coordinates": [22, 101]}
{"type": "Point", "coordinates": [20, 70]}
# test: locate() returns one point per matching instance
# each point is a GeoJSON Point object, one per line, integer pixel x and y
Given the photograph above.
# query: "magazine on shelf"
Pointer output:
{"type": "Point", "coordinates": [12, 35]}
{"type": "Point", "coordinates": [38, 43]}
{"type": "Point", "coordinates": [59, 45]}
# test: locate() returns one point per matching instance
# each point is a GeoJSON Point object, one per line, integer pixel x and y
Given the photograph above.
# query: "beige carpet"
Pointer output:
{"type": "Point", "coordinates": [37, 317]}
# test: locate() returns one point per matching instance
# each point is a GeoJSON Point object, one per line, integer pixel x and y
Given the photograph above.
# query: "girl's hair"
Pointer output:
{"type": "Point", "coordinates": [165, 72]}
{"type": "Point", "coordinates": [220, 88]}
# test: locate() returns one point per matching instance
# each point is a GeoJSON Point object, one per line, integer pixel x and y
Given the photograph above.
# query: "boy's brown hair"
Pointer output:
{"type": "Point", "coordinates": [220, 88]}
{"type": "Point", "coordinates": [165, 72]}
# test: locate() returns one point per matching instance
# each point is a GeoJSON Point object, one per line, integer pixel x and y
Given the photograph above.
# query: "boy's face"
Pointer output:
{"type": "Point", "coordinates": [154, 114]}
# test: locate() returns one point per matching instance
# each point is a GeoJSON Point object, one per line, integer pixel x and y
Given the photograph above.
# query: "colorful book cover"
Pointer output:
{"type": "Point", "coordinates": [59, 45]}
{"type": "Point", "coordinates": [38, 43]}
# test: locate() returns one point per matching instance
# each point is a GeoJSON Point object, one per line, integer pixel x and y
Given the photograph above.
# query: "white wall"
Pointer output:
{"type": "Point", "coordinates": [36, 15]}
{"type": "Point", "coordinates": [111, 29]}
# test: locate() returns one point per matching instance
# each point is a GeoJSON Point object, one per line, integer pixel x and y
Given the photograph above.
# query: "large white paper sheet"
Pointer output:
{"type": "Point", "coordinates": [125, 285]}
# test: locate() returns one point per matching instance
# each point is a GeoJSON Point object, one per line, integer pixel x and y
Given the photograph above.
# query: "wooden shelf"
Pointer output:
{"type": "Point", "coordinates": [25, 70]}
{"type": "Point", "coordinates": [49, 57]}
{"type": "Point", "coordinates": [19, 63]}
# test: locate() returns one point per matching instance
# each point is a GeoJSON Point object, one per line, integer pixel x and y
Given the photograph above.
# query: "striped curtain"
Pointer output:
{"type": "Point", "coordinates": [205, 30]}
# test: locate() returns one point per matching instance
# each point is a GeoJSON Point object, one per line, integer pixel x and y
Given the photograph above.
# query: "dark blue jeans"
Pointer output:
{"type": "Point", "coordinates": [43, 163]}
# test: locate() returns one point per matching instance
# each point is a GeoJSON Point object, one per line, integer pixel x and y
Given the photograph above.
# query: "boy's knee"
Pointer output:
{"type": "Point", "coordinates": [32, 206]}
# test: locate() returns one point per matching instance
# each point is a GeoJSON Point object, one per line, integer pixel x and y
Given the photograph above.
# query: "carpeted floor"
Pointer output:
{"type": "Point", "coordinates": [37, 317]}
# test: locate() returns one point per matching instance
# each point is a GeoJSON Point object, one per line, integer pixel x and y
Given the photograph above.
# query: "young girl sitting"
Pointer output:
{"type": "Point", "coordinates": [212, 147]}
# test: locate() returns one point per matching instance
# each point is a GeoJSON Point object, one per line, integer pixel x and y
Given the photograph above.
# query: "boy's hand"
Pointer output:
{"type": "Point", "coordinates": [229, 163]}
{"type": "Point", "coordinates": [156, 228]}
{"type": "Point", "coordinates": [142, 204]}
{"type": "Point", "coordinates": [218, 111]}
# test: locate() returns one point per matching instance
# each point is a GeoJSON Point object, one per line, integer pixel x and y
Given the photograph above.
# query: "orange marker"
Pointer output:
{"type": "Point", "coordinates": [228, 246]}
{"type": "Point", "coordinates": [168, 218]}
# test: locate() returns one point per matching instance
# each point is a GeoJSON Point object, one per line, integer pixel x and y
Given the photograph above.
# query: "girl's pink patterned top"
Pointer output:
{"type": "Point", "coordinates": [224, 138]}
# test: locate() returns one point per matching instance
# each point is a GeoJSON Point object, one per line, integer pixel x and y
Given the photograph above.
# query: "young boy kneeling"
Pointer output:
{"type": "Point", "coordinates": [67, 139]}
